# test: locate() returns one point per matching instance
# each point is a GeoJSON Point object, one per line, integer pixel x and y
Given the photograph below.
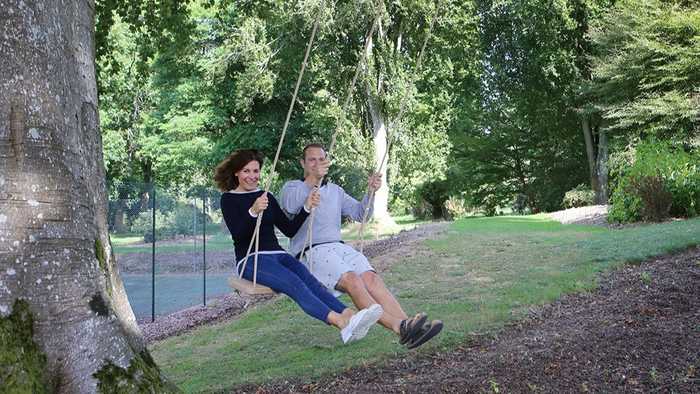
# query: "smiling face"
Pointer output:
{"type": "Point", "coordinates": [312, 157]}
{"type": "Point", "coordinates": [248, 176]}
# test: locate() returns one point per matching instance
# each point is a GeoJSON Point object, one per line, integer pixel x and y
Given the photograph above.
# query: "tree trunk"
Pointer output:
{"type": "Point", "coordinates": [119, 209]}
{"type": "Point", "coordinates": [65, 323]}
{"type": "Point", "coordinates": [602, 167]}
{"type": "Point", "coordinates": [381, 196]}
{"type": "Point", "coordinates": [590, 152]}
{"type": "Point", "coordinates": [379, 139]}
{"type": "Point", "coordinates": [597, 154]}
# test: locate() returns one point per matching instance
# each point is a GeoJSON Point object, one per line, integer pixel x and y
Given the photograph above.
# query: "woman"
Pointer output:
{"type": "Point", "coordinates": [242, 201]}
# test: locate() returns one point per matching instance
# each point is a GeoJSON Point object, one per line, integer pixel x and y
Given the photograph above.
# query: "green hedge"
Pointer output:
{"type": "Point", "coordinates": [654, 180]}
{"type": "Point", "coordinates": [580, 196]}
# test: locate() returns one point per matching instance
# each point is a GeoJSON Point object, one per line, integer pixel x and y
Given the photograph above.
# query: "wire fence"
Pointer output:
{"type": "Point", "coordinates": [172, 247]}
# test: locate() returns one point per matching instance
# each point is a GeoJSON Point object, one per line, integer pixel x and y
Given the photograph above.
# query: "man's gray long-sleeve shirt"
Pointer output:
{"type": "Point", "coordinates": [335, 204]}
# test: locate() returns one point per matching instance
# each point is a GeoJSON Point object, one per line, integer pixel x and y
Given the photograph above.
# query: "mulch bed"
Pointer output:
{"type": "Point", "coordinates": [638, 332]}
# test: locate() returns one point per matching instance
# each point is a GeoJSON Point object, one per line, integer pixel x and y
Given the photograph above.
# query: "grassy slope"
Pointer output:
{"type": "Point", "coordinates": [484, 272]}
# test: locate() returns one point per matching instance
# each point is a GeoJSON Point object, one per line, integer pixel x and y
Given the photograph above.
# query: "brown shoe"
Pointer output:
{"type": "Point", "coordinates": [428, 331]}
{"type": "Point", "coordinates": [411, 326]}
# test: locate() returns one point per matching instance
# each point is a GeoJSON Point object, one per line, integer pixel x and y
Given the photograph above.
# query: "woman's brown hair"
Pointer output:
{"type": "Point", "coordinates": [225, 173]}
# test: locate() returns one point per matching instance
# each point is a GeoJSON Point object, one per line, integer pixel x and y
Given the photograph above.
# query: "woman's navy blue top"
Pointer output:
{"type": "Point", "coordinates": [235, 207]}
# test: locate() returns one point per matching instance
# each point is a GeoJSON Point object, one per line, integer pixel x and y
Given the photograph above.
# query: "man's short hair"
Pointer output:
{"type": "Point", "coordinates": [314, 145]}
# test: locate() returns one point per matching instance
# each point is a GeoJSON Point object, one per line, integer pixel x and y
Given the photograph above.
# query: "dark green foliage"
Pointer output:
{"type": "Point", "coordinates": [229, 85]}
{"type": "Point", "coordinates": [22, 363]}
{"type": "Point", "coordinates": [580, 196]}
{"type": "Point", "coordinates": [525, 136]}
{"type": "Point", "coordinates": [432, 196]}
{"type": "Point", "coordinates": [160, 25]}
{"type": "Point", "coordinates": [646, 68]}
{"type": "Point", "coordinates": [644, 176]}
{"type": "Point", "coordinates": [496, 109]}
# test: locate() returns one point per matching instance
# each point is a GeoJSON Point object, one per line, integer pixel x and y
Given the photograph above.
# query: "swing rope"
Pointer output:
{"type": "Point", "coordinates": [362, 62]}
{"type": "Point", "coordinates": [390, 131]}
{"type": "Point", "coordinates": [308, 241]}
{"type": "Point", "coordinates": [256, 232]}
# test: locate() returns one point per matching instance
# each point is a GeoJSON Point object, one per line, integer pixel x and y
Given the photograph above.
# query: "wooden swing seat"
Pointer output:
{"type": "Point", "coordinates": [247, 287]}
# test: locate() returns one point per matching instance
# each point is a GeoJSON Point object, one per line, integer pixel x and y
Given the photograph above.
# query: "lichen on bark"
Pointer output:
{"type": "Point", "coordinates": [101, 256]}
{"type": "Point", "coordinates": [22, 363]}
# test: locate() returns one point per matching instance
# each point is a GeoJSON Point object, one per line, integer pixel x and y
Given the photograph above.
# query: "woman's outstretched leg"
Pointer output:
{"type": "Point", "coordinates": [275, 275]}
{"type": "Point", "coordinates": [313, 284]}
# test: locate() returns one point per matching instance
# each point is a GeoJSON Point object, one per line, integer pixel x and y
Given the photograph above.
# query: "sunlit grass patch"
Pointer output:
{"type": "Point", "coordinates": [376, 230]}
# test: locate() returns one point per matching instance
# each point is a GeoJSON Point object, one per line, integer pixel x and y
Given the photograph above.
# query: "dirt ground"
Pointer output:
{"type": "Point", "coordinates": [638, 332]}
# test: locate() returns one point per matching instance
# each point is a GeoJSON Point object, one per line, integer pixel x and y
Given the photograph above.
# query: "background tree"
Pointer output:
{"type": "Point", "coordinates": [646, 70]}
{"type": "Point", "coordinates": [230, 87]}
{"type": "Point", "coordinates": [524, 138]}
{"type": "Point", "coordinates": [644, 86]}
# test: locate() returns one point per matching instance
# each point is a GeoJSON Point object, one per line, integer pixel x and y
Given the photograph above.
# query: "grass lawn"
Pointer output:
{"type": "Point", "coordinates": [374, 230]}
{"type": "Point", "coordinates": [481, 274]}
{"type": "Point", "coordinates": [217, 240]}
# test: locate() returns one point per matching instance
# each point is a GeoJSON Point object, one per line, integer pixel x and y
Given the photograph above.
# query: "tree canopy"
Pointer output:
{"type": "Point", "coordinates": [496, 110]}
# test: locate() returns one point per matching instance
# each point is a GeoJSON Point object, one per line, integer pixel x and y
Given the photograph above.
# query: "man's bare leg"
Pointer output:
{"type": "Point", "coordinates": [354, 286]}
{"type": "Point", "coordinates": [378, 291]}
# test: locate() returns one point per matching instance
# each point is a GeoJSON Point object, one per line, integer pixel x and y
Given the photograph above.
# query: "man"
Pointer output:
{"type": "Point", "coordinates": [336, 265]}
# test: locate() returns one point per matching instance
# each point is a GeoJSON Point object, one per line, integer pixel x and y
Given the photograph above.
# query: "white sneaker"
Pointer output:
{"type": "Point", "coordinates": [360, 323]}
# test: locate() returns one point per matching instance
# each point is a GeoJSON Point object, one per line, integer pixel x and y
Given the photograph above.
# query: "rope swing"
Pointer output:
{"type": "Point", "coordinates": [308, 241]}
{"type": "Point", "coordinates": [236, 281]}
{"type": "Point", "coordinates": [252, 288]}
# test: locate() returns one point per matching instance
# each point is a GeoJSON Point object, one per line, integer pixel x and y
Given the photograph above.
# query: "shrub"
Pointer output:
{"type": "Point", "coordinates": [456, 207]}
{"type": "Point", "coordinates": [519, 204]}
{"type": "Point", "coordinates": [182, 219]}
{"type": "Point", "coordinates": [398, 206]}
{"type": "Point", "coordinates": [422, 210]}
{"type": "Point", "coordinates": [626, 206]}
{"type": "Point", "coordinates": [143, 224]}
{"type": "Point", "coordinates": [580, 196]}
{"type": "Point", "coordinates": [644, 177]}
{"type": "Point", "coordinates": [179, 221]}
{"type": "Point", "coordinates": [434, 194]}
{"type": "Point", "coordinates": [490, 204]}
{"type": "Point", "coordinates": [656, 199]}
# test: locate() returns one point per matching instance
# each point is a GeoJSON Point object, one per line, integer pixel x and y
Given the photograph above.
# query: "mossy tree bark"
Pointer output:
{"type": "Point", "coordinates": [55, 253]}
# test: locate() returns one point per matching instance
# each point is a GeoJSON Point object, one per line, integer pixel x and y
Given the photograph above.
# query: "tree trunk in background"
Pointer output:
{"type": "Point", "coordinates": [65, 322]}
{"type": "Point", "coordinates": [379, 140]}
{"type": "Point", "coordinates": [597, 154]}
{"type": "Point", "coordinates": [602, 167]}
{"type": "Point", "coordinates": [119, 209]}
{"type": "Point", "coordinates": [381, 196]}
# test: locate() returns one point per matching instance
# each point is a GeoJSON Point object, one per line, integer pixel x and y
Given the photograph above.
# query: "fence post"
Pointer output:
{"type": "Point", "coordinates": [153, 254]}
{"type": "Point", "coordinates": [204, 246]}
{"type": "Point", "coordinates": [195, 214]}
